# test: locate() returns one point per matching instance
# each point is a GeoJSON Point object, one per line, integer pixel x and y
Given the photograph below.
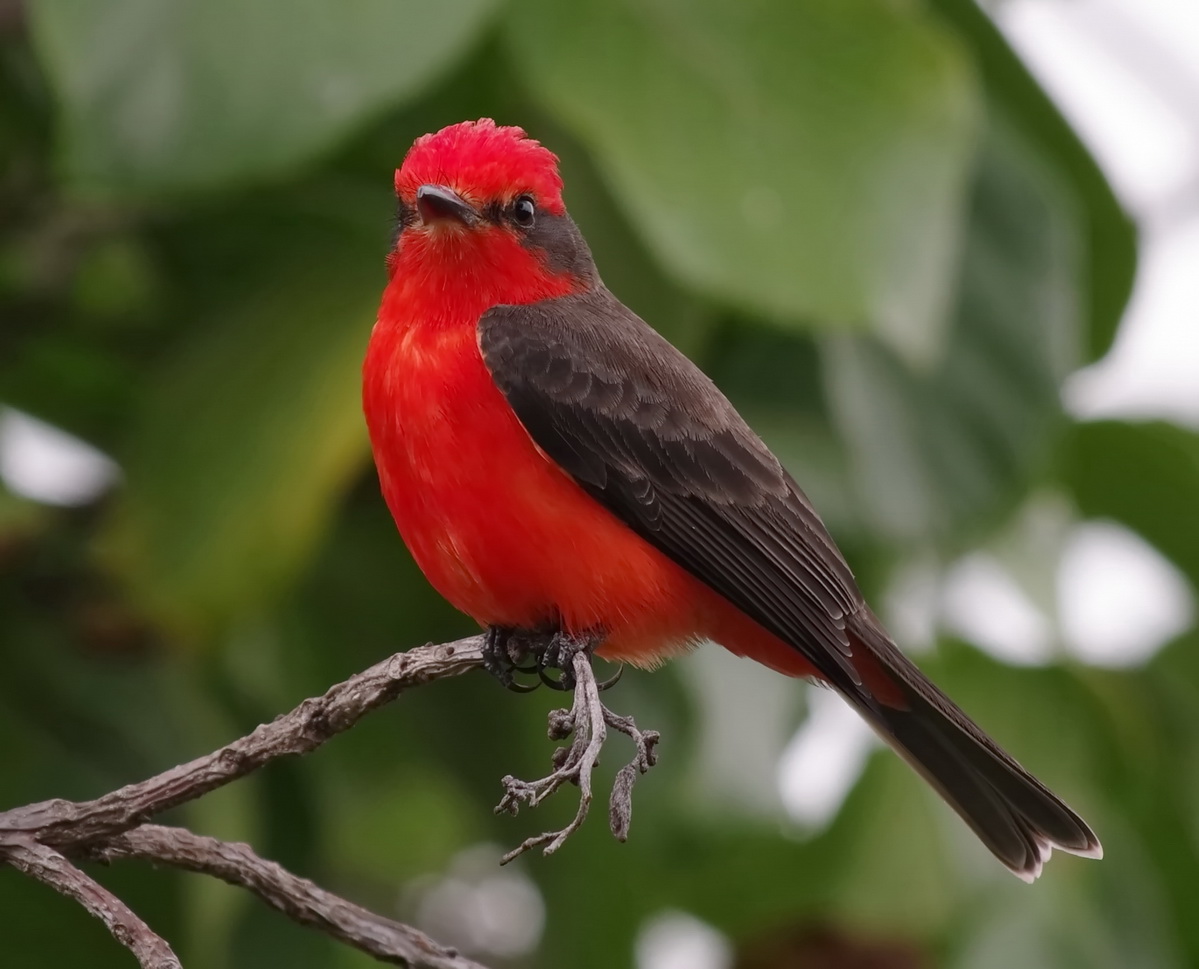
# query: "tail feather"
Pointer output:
{"type": "Point", "coordinates": [1019, 819]}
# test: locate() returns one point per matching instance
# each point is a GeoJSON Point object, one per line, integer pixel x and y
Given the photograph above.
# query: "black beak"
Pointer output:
{"type": "Point", "coordinates": [436, 203]}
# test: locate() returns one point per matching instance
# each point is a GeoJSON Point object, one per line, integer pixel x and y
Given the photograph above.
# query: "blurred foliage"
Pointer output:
{"type": "Point", "coordinates": [863, 217]}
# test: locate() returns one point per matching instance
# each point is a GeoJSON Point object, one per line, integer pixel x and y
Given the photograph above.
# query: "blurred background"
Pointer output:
{"type": "Point", "coordinates": [943, 255]}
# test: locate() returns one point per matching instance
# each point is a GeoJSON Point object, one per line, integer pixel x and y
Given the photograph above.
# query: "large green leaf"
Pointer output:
{"type": "Point", "coordinates": [1068, 927]}
{"type": "Point", "coordinates": [806, 160]}
{"type": "Point", "coordinates": [159, 95]}
{"type": "Point", "coordinates": [252, 430]}
{"type": "Point", "coordinates": [1108, 240]}
{"type": "Point", "coordinates": [629, 268]}
{"type": "Point", "coordinates": [1145, 476]}
{"type": "Point", "coordinates": [894, 862]}
{"type": "Point", "coordinates": [773, 377]}
{"type": "Point", "coordinates": [938, 450]}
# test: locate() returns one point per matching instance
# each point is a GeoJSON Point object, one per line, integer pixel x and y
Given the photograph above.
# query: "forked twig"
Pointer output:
{"type": "Point", "coordinates": [588, 719]}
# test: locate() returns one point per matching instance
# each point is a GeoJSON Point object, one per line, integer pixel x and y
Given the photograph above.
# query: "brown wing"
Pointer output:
{"type": "Point", "coordinates": [650, 437]}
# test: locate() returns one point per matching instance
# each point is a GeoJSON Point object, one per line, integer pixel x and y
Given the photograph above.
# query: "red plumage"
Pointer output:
{"type": "Point", "coordinates": [552, 462]}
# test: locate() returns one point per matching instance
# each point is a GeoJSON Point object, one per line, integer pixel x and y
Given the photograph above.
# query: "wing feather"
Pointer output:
{"type": "Point", "coordinates": [648, 435]}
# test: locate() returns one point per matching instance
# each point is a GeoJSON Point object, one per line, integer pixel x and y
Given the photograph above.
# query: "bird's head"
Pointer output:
{"type": "Point", "coordinates": [484, 202]}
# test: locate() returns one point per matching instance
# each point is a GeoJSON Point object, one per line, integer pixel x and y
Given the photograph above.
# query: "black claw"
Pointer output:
{"type": "Point", "coordinates": [612, 680]}
{"type": "Point", "coordinates": [493, 646]}
{"type": "Point", "coordinates": [497, 660]}
{"type": "Point", "coordinates": [560, 654]}
{"type": "Point", "coordinates": [552, 652]}
{"type": "Point", "coordinates": [558, 684]}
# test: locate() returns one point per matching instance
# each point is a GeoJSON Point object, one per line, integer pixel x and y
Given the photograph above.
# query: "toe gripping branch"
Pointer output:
{"type": "Point", "coordinates": [504, 650]}
{"type": "Point", "coordinates": [588, 720]}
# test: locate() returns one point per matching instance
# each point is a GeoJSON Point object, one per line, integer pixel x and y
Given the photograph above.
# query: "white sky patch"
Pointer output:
{"type": "Point", "coordinates": [983, 604]}
{"type": "Point", "coordinates": [48, 465]}
{"type": "Point", "coordinates": [1119, 600]}
{"type": "Point", "coordinates": [676, 940]}
{"type": "Point", "coordinates": [1174, 22]}
{"type": "Point", "coordinates": [1126, 75]}
{"type": "Point", "coordinates": [1096, 60]}
{"type": "Point", "coordinates": [1153, 370]}
{"type": "Point", "coordinates": [824, 760]}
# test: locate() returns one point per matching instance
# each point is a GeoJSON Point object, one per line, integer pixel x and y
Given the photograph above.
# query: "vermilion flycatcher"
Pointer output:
{"type": "Point", "coordinates": [553, 463]}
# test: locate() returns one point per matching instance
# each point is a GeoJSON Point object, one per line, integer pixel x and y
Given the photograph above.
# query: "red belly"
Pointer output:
{"type": "Point", "coordinates": [509, 538]}
{"type": "Point", "coordinates": [498, 529]}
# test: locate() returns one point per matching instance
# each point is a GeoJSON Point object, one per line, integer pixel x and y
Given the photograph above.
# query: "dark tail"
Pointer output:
{"type": "Point", "coordinates": [1014, 814]}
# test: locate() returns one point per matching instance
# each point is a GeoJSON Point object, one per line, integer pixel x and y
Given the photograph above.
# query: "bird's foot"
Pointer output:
{"type": "Point", "coordinates": [559, 654]}
{"type": "Point", "coordinates": [504, 649]}
{"type": "Point", "coordinates": [588, 720]}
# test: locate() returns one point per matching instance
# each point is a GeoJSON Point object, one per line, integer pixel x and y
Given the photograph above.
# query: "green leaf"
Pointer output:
{"type": "Point", "coordinates": [805, 160]}
{"type": "Point", "coordinates": [894, 862]}
{"type": "Point", "coordinates": [1145, 476]}
{"type": "Point", "coordinates": [1164, 794]}
{"type": "Point", "coordinates": [773, 378]}
{"type": "Point", "coordinates": [940, 450]}
{"type": "Point", "coordinates": [1108, 237]}
{"type": "Point", "coordinates": [629, 268]}
{"type": "Point", "coordinates": [1069, 928]}
{"type": "Point", "coordinates": [252, 431]}
{"type": "Point", "coordinates": [163, 95]}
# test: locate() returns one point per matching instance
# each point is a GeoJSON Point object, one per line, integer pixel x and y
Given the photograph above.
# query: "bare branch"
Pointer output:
{"type": "Point", "coordinates": [38, 838]}
{"type": "Point", "coordinates": [297, 898]}
{"type": "Point", "coordinates": [51, 868]}
{"type": "Point", "coordinates": [67, 824]}
{"type": "Point", "coordinates": [620, 805]}
{"type": "Point", "coordinates": [588, 720]}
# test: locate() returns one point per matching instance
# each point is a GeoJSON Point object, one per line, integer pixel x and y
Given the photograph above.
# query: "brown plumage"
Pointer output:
{"type": "Point", "coordinates": [646, 434]}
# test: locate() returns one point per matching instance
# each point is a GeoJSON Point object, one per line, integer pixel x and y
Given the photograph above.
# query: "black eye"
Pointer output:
{"type": "Point", "coordinates": [523, 211]}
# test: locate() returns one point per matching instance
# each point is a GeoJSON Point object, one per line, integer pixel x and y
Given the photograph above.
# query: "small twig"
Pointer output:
{"type": "Point", "coordinates": [575, 763]}
{"type": "Point", "coordinates": [620, 806]}
{"type": "Point", "coordinates": [588, 720]}
{"type": "Point", "coordinates": [297, 898]}
{"type": "Point", "coordinates": [51, 868]}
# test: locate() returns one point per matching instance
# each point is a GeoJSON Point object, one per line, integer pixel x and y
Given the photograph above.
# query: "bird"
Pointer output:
{"type": "Point", "coordinates": [553, 463]}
